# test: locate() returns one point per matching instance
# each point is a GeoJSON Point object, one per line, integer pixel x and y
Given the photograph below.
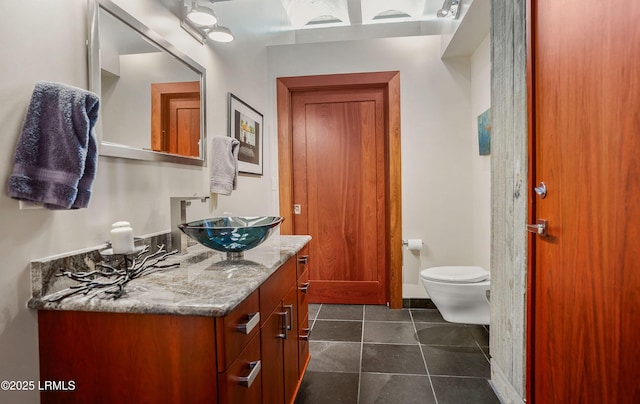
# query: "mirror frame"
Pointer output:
{"type": "Point", "coordinates": [106, 148]}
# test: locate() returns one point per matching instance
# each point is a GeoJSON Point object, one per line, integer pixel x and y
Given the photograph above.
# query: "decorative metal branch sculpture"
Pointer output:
{"type": "Point", "coordinates": [114, 279]}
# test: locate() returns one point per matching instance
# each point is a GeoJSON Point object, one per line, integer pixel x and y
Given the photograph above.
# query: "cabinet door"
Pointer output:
{"type": "Point", "coordinates": [303, 323]}
{"type": "Point", "coordinates": [123, 357]}
{"type": "Point", "coordinates": [272, 334]}
{"type": "Point", "coordinates": [290, 305]}
{"type": "Point", "coordinates": [242, 382]}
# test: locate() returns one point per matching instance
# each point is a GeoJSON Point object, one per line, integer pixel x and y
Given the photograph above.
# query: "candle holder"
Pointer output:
{"type": "Point", "coordinates": [126, 258]}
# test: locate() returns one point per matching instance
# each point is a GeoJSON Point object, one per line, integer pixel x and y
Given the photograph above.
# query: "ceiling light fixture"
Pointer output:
{"type": "Point", "coordinates": [315, 13]}
{"type": "Point", "coordinates": [450, 8]}
{"type": "Point", "coordinates": [202, 23]}
{"type": "Point", "coordinates": [219, 33]}
{"type": "Point", "coordinates": [380, 10]}
{"type": "Point", "coordinates": [201, 16]}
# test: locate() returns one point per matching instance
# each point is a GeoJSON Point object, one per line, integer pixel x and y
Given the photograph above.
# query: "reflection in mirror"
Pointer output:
{"type": "Point", "coordinates": [152, 95]}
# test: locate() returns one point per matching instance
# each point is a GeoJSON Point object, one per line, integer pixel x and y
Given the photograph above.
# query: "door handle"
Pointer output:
{"type": "Point", "coordinates": [289, 309]}
{"type": "Point", "coordinates": [285, 327]}
{"type": "Point", "coordinates": [304, 287]}
{"type": "Point", "coordinates": [540, 228]}
{"type": "Point", "coordinates": [541, 190]}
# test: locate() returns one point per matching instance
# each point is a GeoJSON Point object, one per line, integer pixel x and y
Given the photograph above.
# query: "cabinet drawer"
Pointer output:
{"type": "Point", "coordinates": [303, 260]}
{"type": "Point", "coordinates": [303, 293]}
{"type": "Point", "coordinates": [273, 289]}
{"type": "Point", "coordinates": [303, 344]}
{"type": "Point", "coordinates": [235, 330]}
{"type": "Point", "coordinates": [242, 382]}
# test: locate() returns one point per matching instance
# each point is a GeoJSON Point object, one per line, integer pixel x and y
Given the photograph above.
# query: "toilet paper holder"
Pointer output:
{"type": "Point", "coordinates": [412, 242]}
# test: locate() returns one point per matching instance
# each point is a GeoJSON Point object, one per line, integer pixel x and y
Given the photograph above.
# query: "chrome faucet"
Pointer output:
{"type": "Point", "coordinates": [179, 216]}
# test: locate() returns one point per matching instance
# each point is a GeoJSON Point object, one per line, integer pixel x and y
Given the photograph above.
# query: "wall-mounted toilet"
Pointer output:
{"type": "Point", "coordinates": [461, 293]}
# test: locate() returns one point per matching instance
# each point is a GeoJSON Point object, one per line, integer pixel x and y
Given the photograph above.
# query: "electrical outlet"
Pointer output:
{"type": "Point", "coordinates": [25, 205]}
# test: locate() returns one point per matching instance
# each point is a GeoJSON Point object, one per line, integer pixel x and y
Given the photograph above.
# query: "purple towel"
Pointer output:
{"type": "Point", "coordinates": [56, 155]}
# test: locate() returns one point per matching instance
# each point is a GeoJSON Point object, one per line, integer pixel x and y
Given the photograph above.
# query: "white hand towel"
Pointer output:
{"type": "Point", "coordinates": [224, 165]}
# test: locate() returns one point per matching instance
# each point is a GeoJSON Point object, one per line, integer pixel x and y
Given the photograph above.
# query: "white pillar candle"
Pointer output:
{"type": "Point", "coordinates": [120, 224]}
{"type": "Point", "coordinates": [122, 240]}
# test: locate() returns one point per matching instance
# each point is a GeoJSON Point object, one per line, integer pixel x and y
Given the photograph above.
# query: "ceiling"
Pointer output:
{"type": "Point", "coordinates": [269, 20]}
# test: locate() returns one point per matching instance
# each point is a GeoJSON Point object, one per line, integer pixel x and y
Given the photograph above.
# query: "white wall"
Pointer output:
{"type": "Point", "coordinates": [480, 165]}
{"type": "Point", "coordinates": [50, 45]}
{"type": "Point", "coordinates": [438, 199]}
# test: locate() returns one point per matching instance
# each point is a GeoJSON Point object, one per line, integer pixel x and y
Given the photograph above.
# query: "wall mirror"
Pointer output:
{"type": "Point", "coordinates": [152, 95]}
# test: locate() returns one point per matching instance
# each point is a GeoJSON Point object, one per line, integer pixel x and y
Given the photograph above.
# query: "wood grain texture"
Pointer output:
{"type": "Point", "coordinates": [303, 322]}
{"type": "Point", "coordinates": [161, 112]}
{"type": "Point", "coordinates": [586, 87]}
{"type": "Point", "coordinates": [342, 188]}
{"type": "Point", "coordinates": [390, 82]}
{"type": "Point", "coordinates": [272, 357]}
{"type": "Point", "coordinates": [275, 287]}
{"type": "Point", "coordinates": [229, 340]}
{"type": "Point", "coordinates": [285, 156]}
{"type": "Point", "coordinates": [123, 358]}
{"type": "Point", "coordinates": [229, 390]}
{"type": "Point", "coordinates": [184, 127]}
{"type": "Point", "coordinates": [291, 373]}
{"type": "Point", "coordinates": [394, 172]}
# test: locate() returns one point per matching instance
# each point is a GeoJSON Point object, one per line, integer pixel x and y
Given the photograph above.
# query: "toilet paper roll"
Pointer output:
{"type": "Point", "coordinates": [414, 244]}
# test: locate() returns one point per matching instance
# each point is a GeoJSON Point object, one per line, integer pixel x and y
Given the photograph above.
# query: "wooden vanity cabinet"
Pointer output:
{"type": "Point", "coordinates": [254, 354]}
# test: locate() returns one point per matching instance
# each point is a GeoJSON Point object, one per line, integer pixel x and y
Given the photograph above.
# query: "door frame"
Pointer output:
{"type": "Point", "coordinates": [390, 83]}
{"type": "Point", "coordinates": [161, 94]}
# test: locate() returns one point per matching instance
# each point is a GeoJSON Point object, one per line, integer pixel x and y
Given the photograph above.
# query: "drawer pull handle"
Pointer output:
{"type": "Point", "coordinates": [305, 336]}
{"type": "Point", "coordinates": [289, 309]}
{"type": "Point", "coordinates": [304, 287]}
{"type": "Point", "coordinates": [284, 315]}
{"type": "Point", "coordinates": [251, 377]}
{"type": "Point", "coordinates": [303, 259]}
{"type": "Point", "coordinates": [246, 328]}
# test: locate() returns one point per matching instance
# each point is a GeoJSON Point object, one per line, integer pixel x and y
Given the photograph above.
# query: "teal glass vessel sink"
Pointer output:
{"type": "Point", "coordinates": [232, 235]}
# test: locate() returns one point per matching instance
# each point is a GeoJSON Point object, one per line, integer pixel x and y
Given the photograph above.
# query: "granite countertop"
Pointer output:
{"type": "Point", "coordinates": [205, 283]}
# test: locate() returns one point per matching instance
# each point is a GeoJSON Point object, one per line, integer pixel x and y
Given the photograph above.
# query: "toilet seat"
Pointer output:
{"type": "Point", "coordinates": [455, 274]}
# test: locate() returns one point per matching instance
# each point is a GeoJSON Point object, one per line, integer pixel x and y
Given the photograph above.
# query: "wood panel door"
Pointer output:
{"type": "Point", "coordinates": [339, 185]}
{"type": "Point", "coordinates": [389, 83]}
{"type": "Point", "coordinates": [184, 127]}
{"type": "Point", "coordinates": [175, 118]}
{"type": "Point", "coordinates": [585, 274]}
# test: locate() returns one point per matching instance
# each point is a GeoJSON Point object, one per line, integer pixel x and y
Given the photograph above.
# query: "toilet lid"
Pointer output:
{"type": "Point", "coordinates": [456, 274]}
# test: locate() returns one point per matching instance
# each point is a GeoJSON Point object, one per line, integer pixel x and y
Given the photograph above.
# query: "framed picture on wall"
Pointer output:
{"type": "Point", "coordinates": [484, 133]}
{"type": "Point", "coordinates": [245, 124]}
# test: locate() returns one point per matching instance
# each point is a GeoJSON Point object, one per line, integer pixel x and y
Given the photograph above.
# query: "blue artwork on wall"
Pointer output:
{"type": "Point", "coordinates": [484, 132]}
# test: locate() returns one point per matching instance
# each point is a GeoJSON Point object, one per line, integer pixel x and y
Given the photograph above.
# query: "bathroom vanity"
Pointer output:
{"type": "Point", "coordinates": [210, 330]}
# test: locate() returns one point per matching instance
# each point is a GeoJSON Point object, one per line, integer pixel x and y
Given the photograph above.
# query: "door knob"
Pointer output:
{"type": "Point", "coordinates": [540, 228]}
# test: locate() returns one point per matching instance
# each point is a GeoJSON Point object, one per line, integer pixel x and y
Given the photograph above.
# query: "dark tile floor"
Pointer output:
{"type": "Point", "coordinates": [371, 354]}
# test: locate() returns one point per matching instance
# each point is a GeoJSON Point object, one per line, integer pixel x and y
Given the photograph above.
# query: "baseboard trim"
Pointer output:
{"type": "Point", "coordinates": [416, 303]}
{"type": "Point", "coordinates": [503, 388]}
